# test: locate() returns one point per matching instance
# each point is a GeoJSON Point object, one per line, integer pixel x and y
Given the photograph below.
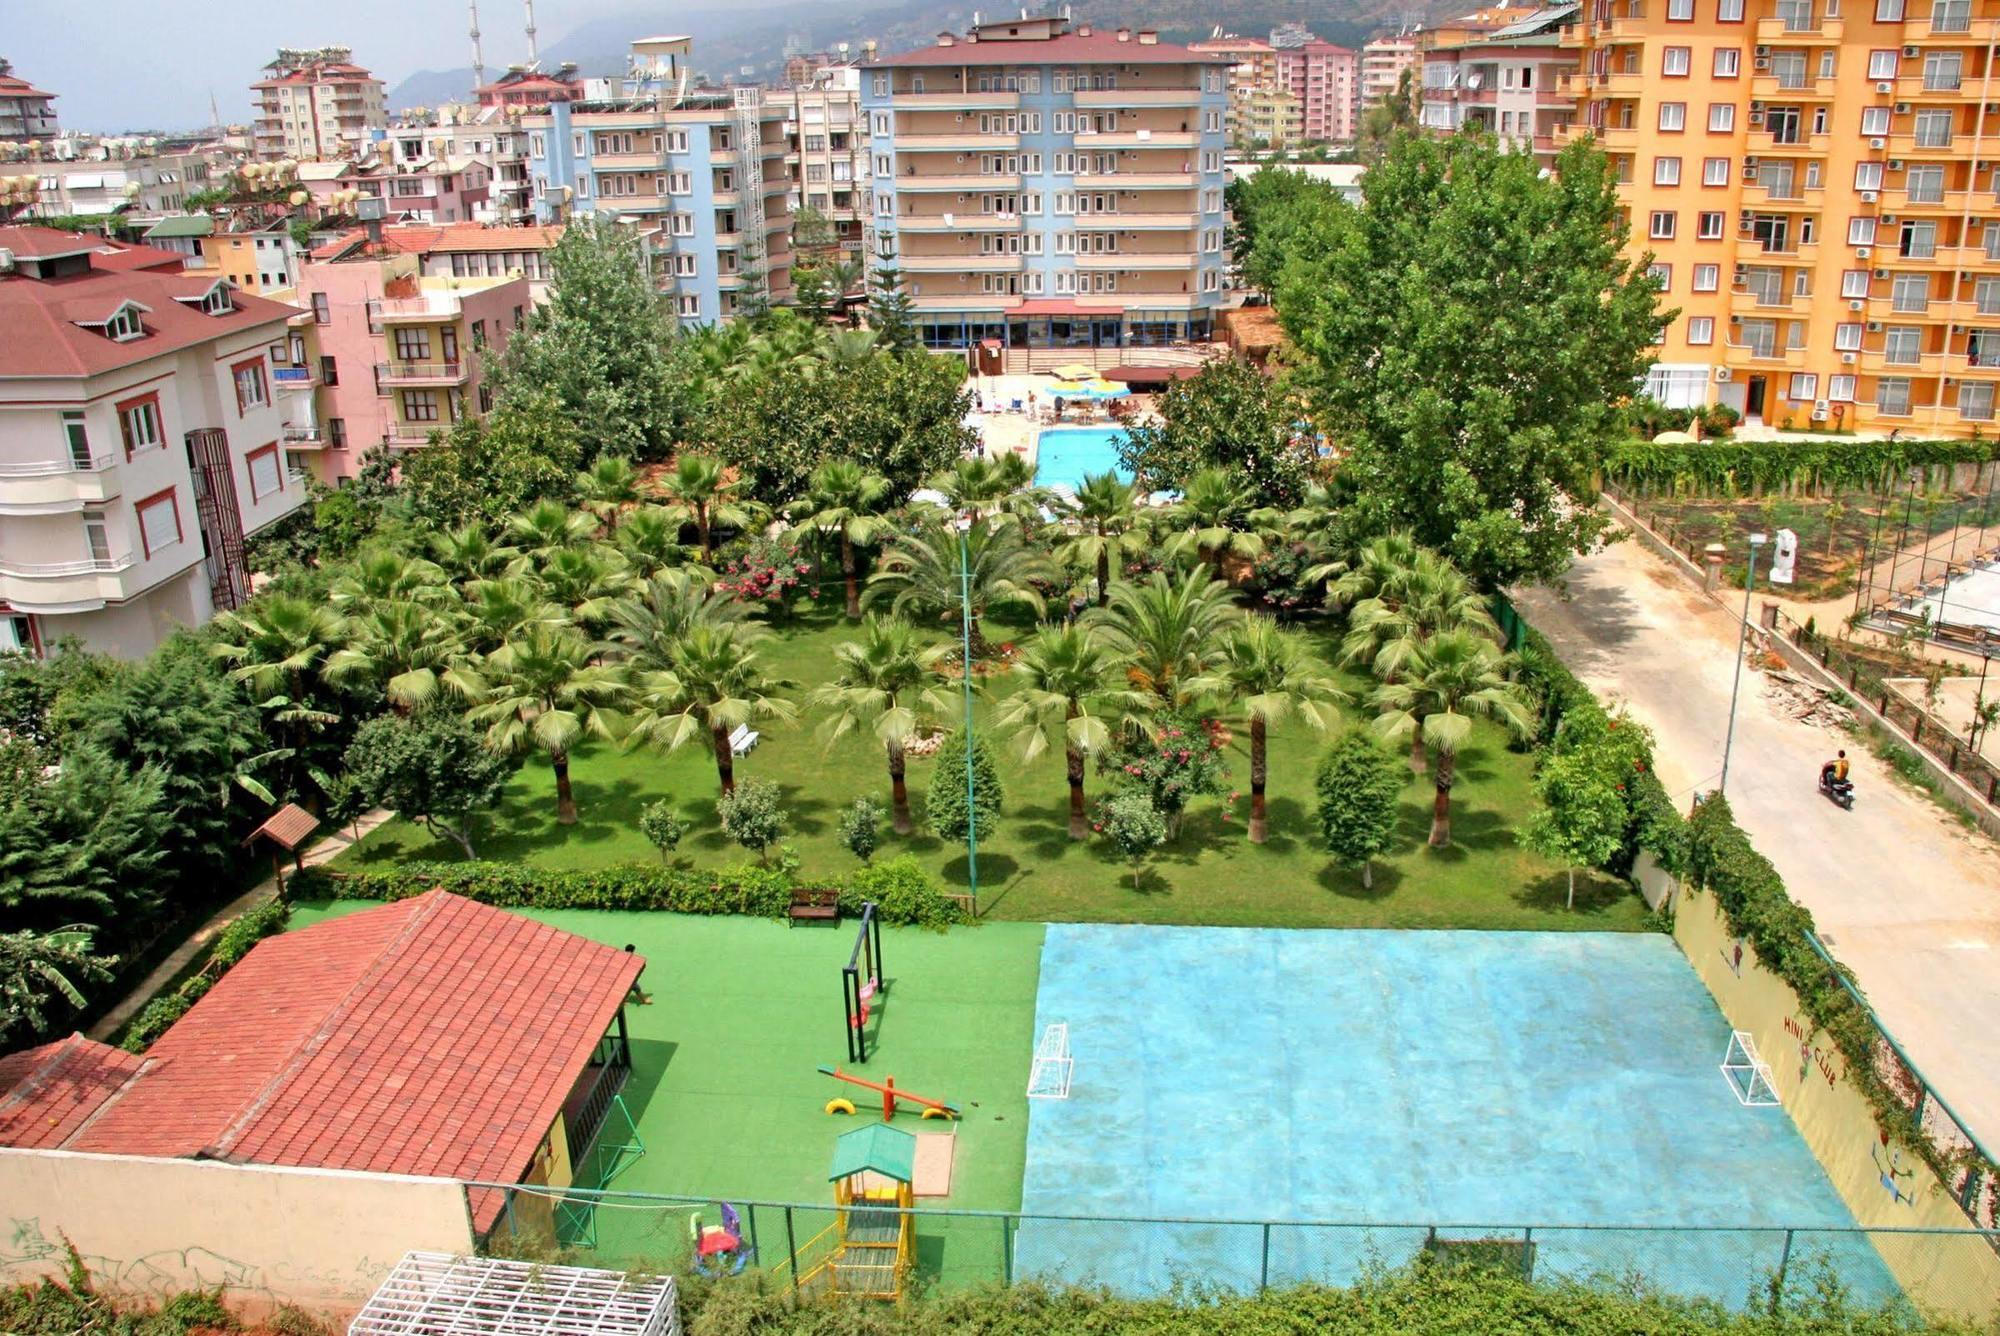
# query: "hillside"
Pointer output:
{"type": "Point", "coordinates": [730, 43]}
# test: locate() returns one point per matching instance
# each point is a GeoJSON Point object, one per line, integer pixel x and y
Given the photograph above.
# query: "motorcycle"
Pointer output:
{"type": "Point", "coordinates": [1840, 792]}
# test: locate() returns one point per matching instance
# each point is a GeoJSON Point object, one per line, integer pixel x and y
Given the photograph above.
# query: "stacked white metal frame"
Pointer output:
{"type": "Point", "coordinates": [749, 107]}
{"type": "Point", "coordinates": [1049, 1077]}
{"type": "Point", "coordinates": [1749, 1076]}
{"type": "Point", "coordinates": [440, 1294]}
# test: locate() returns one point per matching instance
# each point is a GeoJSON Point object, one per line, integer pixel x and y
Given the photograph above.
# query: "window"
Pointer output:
{"type": "Point", "coordinates": [684, 266]}
{"type": "Point", "coordinates": [1888, 11]}
{"type": "Point", "coordinates": [159, 518]}
{"type": "Point", "coordinates": [1847, 338]}
{"type": "Point", "coordinates": [1874, 120]}
{"type": "Point", "coordinates": [683, 224]}
{"type": "Point", "coordinates": [77, 437]}
{"type": "Point", "coordinates": [1951, 15]}
{"type": "Point", "coordinates": [1708, 225]}
{"type": "Point", "coordinates": [1986, 296]}
{"type": "Point", "coordinates": [322, 310]}
{"type": "Point", "coordinates": [1804, 387]}
{"type": "Point", "coordinates": [1715, 171]}
{"type": "Point", "coordinates": [1919, 241]}
{"type": "Point", "coordinates": [1728, 61]}
{"type": "Point", "coordinates": [413, 345]}
{"type": "Point", "coordinates": [139, 425]}
{"type": "Point", "coordinates": [1673, 116]}
{"type": "Point", "coordinates": [1867, 176]}
{"type": "Point", "coordinates": [1861, 231]}
{"type": "Point", "coordinates": [690, 307]}
{"type": "Point", "coordinates": [880, 124]}
{"type": "Point", "coordinates": [1707, 277]}
{"type": "Point", "coordinates": [1701, 330]}
{"type": "Point", "coordinates": [1943, 70]}
{"type": "Point", "coordinates": [1925, 183]}
{"type": "Point", "coordinates": [1662, 226]}
{"type": "Point", "coordinates": [1675, 61]}
{"type": "Point", "coordinates": [1840, 389]}
{"type": "Point", "coordinates": [881, 85]}
{"type": "Point", "coordinates": [420, 405]}
{"type": "Point", "coordinates": [1854, 283]}
{"type": "Point", "coordinates": [1975, 400]}
{"type": "Point", "coordinates": [677, 141]}
{"type": "Point", "coordinates": [1932, 128]}
{"type": "Point", "coordinates": [1680, 11]}
{"type": "Point", "coordinates": [329, 370]}
{"type": "Point", "coordinates": [1910, 292]}
{"type": "Point", "coordinates": [1662, 274]}
{"type": "Point", "coordinates": [1881, 64]}
{"type": "Point", "coordinates": [1892, 396]}
{"type": "Point", "coordinates": [124, 324]}
{"type": "Point", "coordinates": [538, 145]}
{"type": "Point", "coordinates": [1721, 118]}
{"type": "Point", "coordinates": [1666, 171]}
{"type": "Point", "coordinates": [1729, 11]}
{"type": "Point", "coordinates": [267, 475]}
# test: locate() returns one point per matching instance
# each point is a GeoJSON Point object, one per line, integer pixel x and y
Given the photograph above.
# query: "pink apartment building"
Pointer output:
{"type": "Point", "coordinates": [1322, 77]}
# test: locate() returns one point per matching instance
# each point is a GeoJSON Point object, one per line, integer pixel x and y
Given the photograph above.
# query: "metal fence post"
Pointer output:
{"type": "Point", "coordinates": [1007, 1249]}
{"type": "Point", "coordinates": [750, 1212]}
{"type": "Point", "coordinates": [1264, 1266]}
{"type": "Point", "coordinates": [1528, 1253]}
{"type": "Point", "coordinates": [1784, 1270]}
{"type": "Point", "coordinates": [792, 1250]}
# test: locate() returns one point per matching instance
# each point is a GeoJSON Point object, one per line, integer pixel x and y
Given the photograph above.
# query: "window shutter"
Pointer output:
{"type": "Point", "coordinates": [159, 524]}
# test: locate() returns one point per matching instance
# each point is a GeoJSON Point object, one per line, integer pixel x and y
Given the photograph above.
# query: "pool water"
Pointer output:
{"type": "Point", "coordinates": [1064, 456]}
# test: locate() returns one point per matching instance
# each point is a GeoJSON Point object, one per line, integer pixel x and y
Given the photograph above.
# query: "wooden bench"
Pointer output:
{"type": "Point", "coordinates": [815, 905]}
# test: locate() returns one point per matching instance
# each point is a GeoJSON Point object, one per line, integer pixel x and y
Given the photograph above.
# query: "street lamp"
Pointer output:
{"type": "Point", "coordinates": [1978, 739]}
{"type": "Point", "coordinates": [1757, 540]}
{"type": "Point", "coordinates": [965, 661]}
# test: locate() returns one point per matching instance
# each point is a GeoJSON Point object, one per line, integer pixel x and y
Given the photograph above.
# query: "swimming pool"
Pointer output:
{"type": "Point", "coordinates": [1065, 455]}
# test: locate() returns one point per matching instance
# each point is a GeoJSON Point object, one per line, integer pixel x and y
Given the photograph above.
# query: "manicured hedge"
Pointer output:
{"type": "Point", "coordinates": [902, 890]}
{"type": "Point", "coordinates": [1731, 467]}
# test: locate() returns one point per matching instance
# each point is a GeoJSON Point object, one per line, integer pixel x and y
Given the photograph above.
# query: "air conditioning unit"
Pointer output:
{"type": "Point", "coordinates": [1857, 305]}
{"type": "Point", "coordinates": [1909, 53]}
{"type": "Point", "coordinates": [1741, 270]}
{"type": "Point", "coordinates": [1749, 172]}
{"type": "Point", "coordinates": [1902, 108]}
{"type": "Point", "coordinates": [1735, 319]}
{"type": "Point", "coordinates": [1819, 410]}
{"type": "Point", "coordinates": [1895, 164]}
{"type": "Point", "coordinates": [1878, 142]}
{"type": "Point", "coordinates": [1888, 217]}
{"type": "Point", "coordinates": [1863, 252]}
{"type": "Point", "coordinates": [1757, 106]}
{"type": "Point", "coordinates": [1885, 86]}
{"type": "Point", "coordinates": [1874, 326]}
{"type": "Point", "coordinates": [1722, 373]}
{"type": "Point", "coordinates": [1761, 63]}
{"type": "Point", "coordinates": [1847, 359]}
{"type": "Point", "coordinates": [1756, 118]}
{"type": "Point", "coordinates": [1762, 51]}
{"type": "Point", "coordinates": [1868, 197]}
{"type": "Point", "coordinates": [1881, 273]}
{"type": "Point", "coordinates": [1750, 161]}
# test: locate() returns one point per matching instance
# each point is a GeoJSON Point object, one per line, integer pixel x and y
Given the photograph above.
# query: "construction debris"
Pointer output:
{"type": "Point", "coordinates": [1808, 702]}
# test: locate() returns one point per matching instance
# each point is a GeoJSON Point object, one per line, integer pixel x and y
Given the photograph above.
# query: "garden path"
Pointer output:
{"type": "Point", "coordinates": [1906, 898]}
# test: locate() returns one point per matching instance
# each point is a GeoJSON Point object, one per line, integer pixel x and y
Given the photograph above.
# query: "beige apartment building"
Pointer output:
{"type": "Point", "coordinates": [1508, 82]}
{"type": "Point", "coordinates": [1262, 114]}
{"type": "Point", "coordinates": [316, 104]}
{"type": "Point", "coordinates": [1817, 187]}
{"type": "Point", "coordinates": [1047, 185]}
{"type": "Point", "coordinates": [1382, 64]}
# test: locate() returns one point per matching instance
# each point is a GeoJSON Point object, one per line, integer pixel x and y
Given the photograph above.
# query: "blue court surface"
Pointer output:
{"type": "Point", "coordinates": [1483, 1081]}
{"type": "Point", "coordinates": [1064, 455]}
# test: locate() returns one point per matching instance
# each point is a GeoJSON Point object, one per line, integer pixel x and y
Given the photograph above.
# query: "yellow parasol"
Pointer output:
{"type": "Point", "coordinates": [1076, 371]}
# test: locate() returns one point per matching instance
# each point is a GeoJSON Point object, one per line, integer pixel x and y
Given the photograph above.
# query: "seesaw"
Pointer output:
{"type": "Point", "coordinates": [933, 1108]}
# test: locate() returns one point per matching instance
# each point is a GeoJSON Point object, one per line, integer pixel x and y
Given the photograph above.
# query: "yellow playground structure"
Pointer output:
{"type": "Point", "coordinates": [867, 1250]}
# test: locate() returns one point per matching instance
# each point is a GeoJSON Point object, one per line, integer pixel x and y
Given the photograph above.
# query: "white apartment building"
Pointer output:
{"type": "Point", "coordinates": [141, 443]}
{"type": "Point", "coordinates": [316, 104]}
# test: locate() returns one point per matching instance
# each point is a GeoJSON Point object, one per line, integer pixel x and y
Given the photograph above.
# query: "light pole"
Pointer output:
{"type": "Point", "coordinates": [1757, 540]}
{"type": "Point", "coordinates": [965, 651]}
{"type": "Point", "coordinates": [1978, 738]}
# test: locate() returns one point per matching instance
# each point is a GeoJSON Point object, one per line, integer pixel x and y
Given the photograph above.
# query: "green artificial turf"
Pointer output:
{"type": "Point", "coordinates": [1029, 869]}
{"type": "Point", "coordinates": [725, 1089]}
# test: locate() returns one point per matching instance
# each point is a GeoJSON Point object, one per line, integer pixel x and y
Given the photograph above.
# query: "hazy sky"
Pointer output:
{"type": "Point", "coordinates": [120, 64]}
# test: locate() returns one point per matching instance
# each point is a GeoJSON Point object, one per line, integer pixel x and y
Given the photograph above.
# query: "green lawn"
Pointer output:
{"type": "Point", "coordinates": [725, 1088]}
{"type": "Point", "coordinates": [1030, 870]}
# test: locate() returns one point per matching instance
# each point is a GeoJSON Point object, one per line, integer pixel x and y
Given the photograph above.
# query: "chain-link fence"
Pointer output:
{"type": "Point", "coordinates": [800, 1245]}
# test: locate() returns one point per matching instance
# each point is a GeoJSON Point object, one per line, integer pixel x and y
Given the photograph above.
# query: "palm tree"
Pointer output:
{"type": "Point", "coordinates": [919, 575]}
{"type": "Point", "coordinates": [407, 650]}
{"type": "Point", "coordinates": [495, 611]}
{"type": "Point", "coordinates": [710, 684]}
{"type": "Point", "coordinates": [278, 645]}
{"type": "Point", "coordinates": [385, 575]}
{"type": "Point", "coordinates": [704, 498]}
{"type": "Point", "coordinates": [1219, 518]}
{"type": "Point", "coordinates": [650, 540]}
{"type": "Point", "coordinates": [469, 553]}
{"type": "Point", "coordinates": [846, 501]}
{"type": "Point", "coordinates": [606, 488]}
{"type": "Point", "coordinates": [1378, 568]}
{"type": "Point", "coordinates": [1072, 681]}
{"type": "Point", "coordinates": [889, 680]}
{"type": "Point", "coordinates": [1167, 630]}
{"type": "Point", "coordinates": [546, 692]}
{"type": "Point", "coordinates": [984, 486]}
{"type": "Point", "coordinates": [1414, 603]}
{"type": "Point", "coordinates": [1106, 511]}
{"type": "Point", "coordinates": [1454, 678]}
{"type": "Point", "coordinates": [649, 621]}
{"type": "Point", "coordinates": [1271, 674]}
{"type": "Point", "coordinates": [586, 580]}
{"type": "Point", "coordinates": [550, 526]}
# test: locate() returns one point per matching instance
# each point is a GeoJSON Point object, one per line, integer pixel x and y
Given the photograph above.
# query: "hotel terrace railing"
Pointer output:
{"type": "Point", "coordinates": [45, 468]}
{"type": "Point", "coordinates": [57, 570]}
{"type": "Point", "coordinates": [419, 373]}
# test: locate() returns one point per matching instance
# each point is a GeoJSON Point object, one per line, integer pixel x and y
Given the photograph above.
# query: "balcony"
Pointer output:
{"type": "Point", "coordinates": [954, 101]}
{"type": "Point", "coordinates": [1137, 181]}
{"type": "Point", "coordinates": [63, 586]}
{"type": "Point", "coordinates": [1811, 199]}
{"type": "Point", "coordinates": [1964, 31]}
{"type": "Point", "coordinates": [1765, 357]}
{"type": "Point", "coordinates": [1769, 88]}
{"type": "Point", "coordinates": [420, 373]}
{"type": "Point", "coordinates": [303, 436]}
{"type": "Point", "coordinates": [1816, 32]}
{"type": "Point", "coordinates": [959, 264]}
{"type": "Point", "coordinates": [406, 434]}
{"type": "Point", "coordinates": [1877, 362]}
{"type": "Point", "coordinates": [1140, 97]}
{"type": "Point", "coordinates": [57, 486]}
{"type": "Point", "coordinates": [647, 161]}
{"type": "Point", "coordinates": [1805, 146]}
{"type": "Point", "coordinates": [1919, 87]}
{"type": "Point", "coordinates": [1139, 261]}
{"type": "Point", "coordinates": [1136, 222]}
{"type": "Point", "coordinates": [911, 183]}
{"type": "Point", "coordinates": [1615, 138]}
{"type": "Point", "coordinates": [1932, 203]}
{"type": "Point", "coordinates": [294, 378]}
{"type": "Point", "coordinates": [962, 142]}
{"type": "Point", "coordinates": [1958, 148]}
{"type": "Point", "coordinates": [1754, 304]}
{"type": "Point", "coordinates": [959, 222]}
{"type": "Point", "coordinates": [1888, 312]}
{"type": "Point", "coordinates": [430, 309]}
{"type": "Point", "coordinates": [1140, 139]}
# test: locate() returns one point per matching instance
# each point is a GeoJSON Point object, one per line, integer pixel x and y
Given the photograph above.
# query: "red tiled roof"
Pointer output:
{"type": "Point", "coordinates": [451, 238]}
{"type": "Point", "coordinates": [47, 1093]}
{"type": "Point", "coordinates": [1070, 48]}
{"type": "Point", "coordinates": [433, 1036]}
{"type": "Point", "coordinates": [38, 333]}
{"type": "Point", "coordinates": [11, 86]}
{"type": "Point", "coordinates": [121, 256]}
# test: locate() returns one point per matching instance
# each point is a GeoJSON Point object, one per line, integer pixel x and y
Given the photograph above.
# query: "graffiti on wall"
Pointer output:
{"type": "Point", "coordinates": [1816, 1051]}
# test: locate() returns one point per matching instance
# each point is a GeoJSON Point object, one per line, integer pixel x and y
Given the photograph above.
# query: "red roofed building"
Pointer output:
{"type": "Point", "coordinates": [316, 104]}
{"type": "Point", "coordinates": [143, 441]}
{"type": "Point", "coordinates": [432, 1036]}
{"type": "Point", "coordinates": [26, 112]}
{"type": "Point", "coordinates": [526, 86]}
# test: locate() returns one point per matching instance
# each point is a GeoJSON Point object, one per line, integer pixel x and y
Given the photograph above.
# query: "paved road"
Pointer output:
{"type": "Point", "coordinates": [1904, 896]}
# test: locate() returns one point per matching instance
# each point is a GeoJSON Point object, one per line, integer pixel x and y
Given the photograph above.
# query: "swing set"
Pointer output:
{"type": "Point", "coordinates": [861, 981]}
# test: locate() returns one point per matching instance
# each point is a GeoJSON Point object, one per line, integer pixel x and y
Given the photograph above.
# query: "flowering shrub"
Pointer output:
{"type": "Point", "coordinates": [1277, 581]}
{"type": "Point", "coordinates": [1179, 759]}
{"type": "Point", "coordinates": [770, 571]}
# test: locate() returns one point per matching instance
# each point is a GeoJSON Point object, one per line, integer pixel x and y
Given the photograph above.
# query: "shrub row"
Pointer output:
{"type": "Point", "coordinates": [1729, 467]}
{"type": "Point", "coordinates": [231, 945]}
{"type": "Point", "coordinates": [902, 891]}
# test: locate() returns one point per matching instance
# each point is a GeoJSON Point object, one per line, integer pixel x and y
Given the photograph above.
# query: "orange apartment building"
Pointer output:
{"type": "Point", "coordinates": [1816, 181]}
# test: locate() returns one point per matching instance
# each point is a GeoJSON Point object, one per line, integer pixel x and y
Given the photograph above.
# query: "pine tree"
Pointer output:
{"type": "Point", "coordinates": [890, 313]}
{"type": "Point", "coordinates": [945, 808]}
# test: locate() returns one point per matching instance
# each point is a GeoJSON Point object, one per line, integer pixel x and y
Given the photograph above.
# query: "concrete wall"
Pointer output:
{"type": "Point", "coordinates": [1884, 1185]}
{"type": "Point", "coordinates": [319, 1238]}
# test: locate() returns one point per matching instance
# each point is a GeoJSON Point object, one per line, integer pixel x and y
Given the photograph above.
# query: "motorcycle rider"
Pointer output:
{"type": "Point", "coordinates": [1834, 772]}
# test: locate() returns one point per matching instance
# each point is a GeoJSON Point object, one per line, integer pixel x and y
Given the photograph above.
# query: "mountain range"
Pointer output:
{"type": "Point", "coordinates": [732, 43]}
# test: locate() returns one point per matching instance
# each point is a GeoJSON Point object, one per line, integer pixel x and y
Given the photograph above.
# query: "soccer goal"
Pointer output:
{"type": "Point", "coordinates": [1748, 1074]}
{"type": "Point", "coordinates": [1049, 1077]}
